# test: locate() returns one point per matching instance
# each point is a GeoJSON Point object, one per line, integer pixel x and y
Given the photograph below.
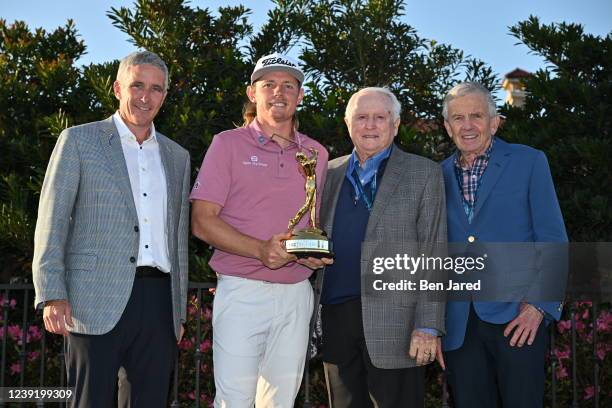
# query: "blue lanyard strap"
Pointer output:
{"type": "Point", "coordinates": [368, 201]}
{"type": "Point", "coordinates": [469, 209]}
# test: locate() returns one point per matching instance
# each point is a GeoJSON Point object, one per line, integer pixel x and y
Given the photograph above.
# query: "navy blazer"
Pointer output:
{"type": "Point", "coordinates": [516, 202]}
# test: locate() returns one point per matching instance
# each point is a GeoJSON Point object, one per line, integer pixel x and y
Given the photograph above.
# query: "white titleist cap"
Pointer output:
{"type": "Point", "coordinates": [277, 62]}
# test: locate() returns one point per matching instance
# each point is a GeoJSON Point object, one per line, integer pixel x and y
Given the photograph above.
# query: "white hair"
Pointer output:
{"type": "Point", "coordinates": [394, 106]}
{"type": "Point", "coordinates": [468, 88]}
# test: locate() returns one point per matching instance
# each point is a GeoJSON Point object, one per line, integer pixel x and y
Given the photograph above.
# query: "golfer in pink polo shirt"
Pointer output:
{"type": "Point", "coordinates": [248, 189]}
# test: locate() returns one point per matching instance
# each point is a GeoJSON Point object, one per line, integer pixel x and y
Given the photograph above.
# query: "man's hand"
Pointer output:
{"type": "Point", "coordinates": [56, 315]}
{"type": "Point", "coordinates": [315, 263]}
{"type": "Point", "coordinates": [182, 332]}
{"type": "Point", "coordinates": [423, 347]}
{"type": "Point", "coordinates": [272, 252]}
{"type": "Point", "coordinates": [526, 325]}
{"type": "Point", "coordinates": [439, 354]}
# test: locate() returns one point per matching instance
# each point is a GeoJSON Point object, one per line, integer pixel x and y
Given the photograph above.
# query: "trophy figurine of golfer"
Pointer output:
{"type": "Point", "coordinates": [311, 241]}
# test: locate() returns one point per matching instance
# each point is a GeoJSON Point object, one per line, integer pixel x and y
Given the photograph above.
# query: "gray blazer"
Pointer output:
{"type": "Point", "coordinates": [409, 210]}
{"type": "Point", "coordinates": [86, 239]}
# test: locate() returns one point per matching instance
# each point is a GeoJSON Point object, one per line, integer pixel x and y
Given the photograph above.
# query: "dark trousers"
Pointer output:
{"type": "Point", "coordinates": [352, 380]}
{"type": "Point", "coordinates": [486, 370]}
{"type": "Point", "coordinates": [143, 342]}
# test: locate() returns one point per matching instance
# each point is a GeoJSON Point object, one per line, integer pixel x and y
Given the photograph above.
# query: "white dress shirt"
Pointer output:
{"type": "Point", "coordinates": [148, 181]}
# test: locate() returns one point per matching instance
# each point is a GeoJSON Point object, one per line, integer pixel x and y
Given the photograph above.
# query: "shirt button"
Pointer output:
{"type": "Point", "coordinates": [132, 259]}
{"type": "Point", "coordinates": [146, 246]}
{"type": "Point", "coordinates": [136, 229]}
{"type": "Point", "coordinates": [471, 238]}
{"type": "Point", "coordinates": [144, 194]}
{"type": "Point", "coordinates": [146, 220]}
{"type": "Point", "coordinates": [143, 169]}
{"type": "Point", "coordinates": [282, 165]}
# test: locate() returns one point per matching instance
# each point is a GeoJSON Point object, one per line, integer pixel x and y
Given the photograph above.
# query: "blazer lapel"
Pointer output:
{"type": "Point", "coordinates": [454, 198]}
{"type": "Point", "coordinates": [111, 144]}
{"type": "Point", "coordinates": [335, 179]}
{"type": "Point", "coordinates": [388, 185]}
{"type": "Point", "coordinates": [172, 181]}
{"type": "Point", "coordinates": [500, 156]}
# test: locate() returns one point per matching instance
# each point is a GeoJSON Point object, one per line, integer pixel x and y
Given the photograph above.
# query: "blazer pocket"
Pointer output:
{"type": "Point", "coordinates": [82, 262]}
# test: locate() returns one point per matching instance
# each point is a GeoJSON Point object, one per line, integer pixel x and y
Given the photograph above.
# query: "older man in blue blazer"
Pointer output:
{"type": "Point", "coordinates": [502, 193]}
{"type": "Point", "coordinates": [110, 248]}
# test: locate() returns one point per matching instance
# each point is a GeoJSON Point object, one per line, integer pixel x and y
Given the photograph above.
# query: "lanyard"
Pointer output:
{"type": "Point", "coordinates": [368, 201]}
{"type": "Point", "coordinates": [469, 209]}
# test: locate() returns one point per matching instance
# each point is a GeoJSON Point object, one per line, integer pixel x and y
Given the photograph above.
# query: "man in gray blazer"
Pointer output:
{"type": "Point", "coordinates": [378, 201]}
{"type": "Point", "coordinates": [110, 248]}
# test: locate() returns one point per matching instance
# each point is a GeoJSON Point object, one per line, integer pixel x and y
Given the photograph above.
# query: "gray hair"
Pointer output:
{"type": "Point", "coordinates": [142, 58]}
{"type": "Point", "coordinates": [468, 88]}
{"type": "Point", "coordinates": [395, 106]}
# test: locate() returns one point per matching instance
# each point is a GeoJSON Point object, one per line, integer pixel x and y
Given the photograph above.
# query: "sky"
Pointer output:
{"type": "Point", "coordinates": [478, 27]}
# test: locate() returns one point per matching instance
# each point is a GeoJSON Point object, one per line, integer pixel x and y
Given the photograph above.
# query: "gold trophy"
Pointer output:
{"type": "Point", "coordinates": [311, 241]}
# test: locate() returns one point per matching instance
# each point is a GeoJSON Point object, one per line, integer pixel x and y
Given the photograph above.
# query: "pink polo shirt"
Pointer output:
{"type": "Point", "coordinates": [260, 188]}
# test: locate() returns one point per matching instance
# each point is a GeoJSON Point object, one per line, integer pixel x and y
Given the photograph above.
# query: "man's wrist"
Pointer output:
{"type": "Point", "coordinates": [260, 250]}
{"type": "Point", "coordinates": [539, 309]}
{"type": "Point", "coordinates": [52, 301]}
{"type": "Point", "coordinates": [429, 330]}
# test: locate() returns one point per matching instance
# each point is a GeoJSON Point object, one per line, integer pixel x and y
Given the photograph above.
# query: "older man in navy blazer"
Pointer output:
{"type": "Point", "coordinates": [496, 192]}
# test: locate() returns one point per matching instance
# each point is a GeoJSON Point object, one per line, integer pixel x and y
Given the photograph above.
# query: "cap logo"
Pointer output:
{"type": "Point", "coordinates": [278, 61]}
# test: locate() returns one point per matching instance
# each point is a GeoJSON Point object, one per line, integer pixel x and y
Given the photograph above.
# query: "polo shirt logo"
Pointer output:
{"type": "Point", "coordinates": [254, 161]}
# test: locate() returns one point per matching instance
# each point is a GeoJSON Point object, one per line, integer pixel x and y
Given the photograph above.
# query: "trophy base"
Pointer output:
{"type": "Point", "coordinates": [310, 242]}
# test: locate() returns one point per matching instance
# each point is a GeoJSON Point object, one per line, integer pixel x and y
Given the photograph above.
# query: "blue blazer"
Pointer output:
{"type": "Point", "coordinates": [516, 202]}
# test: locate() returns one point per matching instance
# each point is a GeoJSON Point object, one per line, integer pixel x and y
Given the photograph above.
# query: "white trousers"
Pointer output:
{"type": "Point", "coordinates": [260, 336]}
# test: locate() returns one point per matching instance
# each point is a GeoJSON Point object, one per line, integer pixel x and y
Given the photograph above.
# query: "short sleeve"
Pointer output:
{"type": "Point", "coordinates": [215, 176]}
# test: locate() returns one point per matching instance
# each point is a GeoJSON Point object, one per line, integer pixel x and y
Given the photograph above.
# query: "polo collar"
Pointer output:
{"type": "Point", "coordinates": [262, 139]}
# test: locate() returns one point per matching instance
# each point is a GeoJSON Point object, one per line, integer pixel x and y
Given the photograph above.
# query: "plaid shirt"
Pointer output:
{"type": "Point", "coordinates": [469, 179]}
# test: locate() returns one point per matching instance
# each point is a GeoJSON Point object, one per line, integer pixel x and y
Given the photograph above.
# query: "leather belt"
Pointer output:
{"type": "Point", "coordinates": [150, 272]}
